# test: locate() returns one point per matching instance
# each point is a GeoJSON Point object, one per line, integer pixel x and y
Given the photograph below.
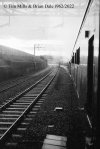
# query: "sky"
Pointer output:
{"type": "Point", "coordinates": [48, 30]}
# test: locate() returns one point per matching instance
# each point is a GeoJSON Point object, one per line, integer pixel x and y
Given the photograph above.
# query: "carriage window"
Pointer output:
{"type": "Point", "coordinates": [75, 58]}
{"type": "Point", "coordinates": [90, 73]}
{"type": "Point", "coordinates": [78, 56]}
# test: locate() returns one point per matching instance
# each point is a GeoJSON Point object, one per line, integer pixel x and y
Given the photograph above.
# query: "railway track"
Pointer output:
{"type": "Point", "coordinates": [13, 83]}
{"type": "Point", "coordinates": [20, 109]}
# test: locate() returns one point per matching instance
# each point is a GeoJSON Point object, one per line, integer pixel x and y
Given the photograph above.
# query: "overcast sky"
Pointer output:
{"type": "Point", "coordinates": [55, 34]}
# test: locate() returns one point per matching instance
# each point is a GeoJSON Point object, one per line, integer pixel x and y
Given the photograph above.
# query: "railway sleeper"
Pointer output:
{"type": "Point", "coordinates": [25, 123]}
{"type": "Point", "coordinates": [11, 145]}
{"type": "Point", "coordinates": [44, 95]}
{"type": "Point", "coordinates": [14, 109]}
{"type": "Point", "coordinates": [25, 98]}
{"type": "Point", "coordinates": [37, 106]}
{"type": "Point", "coordinates": [4, 119]}
{"type": "Point", "coordinates": [21, 130]}
{"type": "Point", "coordinates": [5, 124]}
{"type": "Point", "coordinates": [31, 115]}
{"type": "Point", "coordinates": [27, 119]}
{"type": "Point", "coordinates": [14, 105]}
{"type": "Point", "coordinates": [26, 101]}
{"type": "Point", "coordinates": [3, 115]}
{"type": "Point", "coordinates": [12, 112]}
{"type": "Point", "coordinates": [41, 101]}
{"type": "Point", "coordinates": [21, 103]}
{"type": "Point", "coordinates": [16, 136]}
{"type": "Point", "coordinates": [30, 95]}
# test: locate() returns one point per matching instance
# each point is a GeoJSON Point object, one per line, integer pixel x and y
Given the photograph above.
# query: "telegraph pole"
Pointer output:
{"type": "Point", "coordinates": [38, 47]}
{"type": "Point", "coordinates": [34, 49]}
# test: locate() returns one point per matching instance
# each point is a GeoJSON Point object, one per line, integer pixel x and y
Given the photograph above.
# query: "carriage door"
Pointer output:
{"type": "Point", "coordinates": [90, 75]}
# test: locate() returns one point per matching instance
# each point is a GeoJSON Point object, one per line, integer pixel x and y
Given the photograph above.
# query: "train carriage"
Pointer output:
{"type": "Point", "coordinates": [85, 64]}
